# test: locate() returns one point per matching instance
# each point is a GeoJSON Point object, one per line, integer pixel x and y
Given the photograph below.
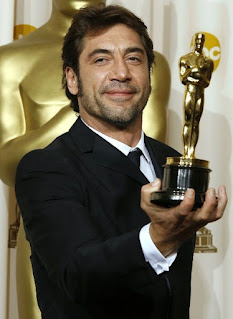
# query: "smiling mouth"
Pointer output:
{"type": "Point", "coordinates": [119, 96]}
{"type": "Point", "coordinates": [120, 93]}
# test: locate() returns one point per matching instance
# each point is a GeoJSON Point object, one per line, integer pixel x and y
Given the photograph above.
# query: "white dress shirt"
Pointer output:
{"type": "Point", "coordinates": [152, 255]}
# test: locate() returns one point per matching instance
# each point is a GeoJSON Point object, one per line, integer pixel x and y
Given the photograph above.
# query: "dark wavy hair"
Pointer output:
{"type": "Point", "coordinates": [92, 20]}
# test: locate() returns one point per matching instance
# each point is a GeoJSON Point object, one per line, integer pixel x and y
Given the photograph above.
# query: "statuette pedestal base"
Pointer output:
{"type": "Point", "coordinates": [181, 173]}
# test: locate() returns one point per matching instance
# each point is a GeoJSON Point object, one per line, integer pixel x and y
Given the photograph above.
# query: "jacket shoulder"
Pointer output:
{"type": "Point", "coordinates": [52, 158]}
{"type": "Point", "coordinates": [161, 147]}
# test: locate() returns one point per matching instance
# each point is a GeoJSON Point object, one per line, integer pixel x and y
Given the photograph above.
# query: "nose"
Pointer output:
{"type": "Point", "coordinates": [120, 70]}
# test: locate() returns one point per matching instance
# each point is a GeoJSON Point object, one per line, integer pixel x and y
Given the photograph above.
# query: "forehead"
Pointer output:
{"type": "Point", "coordinates": [113, 38]}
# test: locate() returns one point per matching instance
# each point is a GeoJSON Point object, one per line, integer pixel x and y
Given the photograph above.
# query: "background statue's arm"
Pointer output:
{"type": "Point", "coordinates": [15, 139]}
{"type": "Point", "coordinates": [155, 113]}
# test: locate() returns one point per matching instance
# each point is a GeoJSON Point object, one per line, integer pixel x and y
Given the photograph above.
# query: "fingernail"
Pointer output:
{"type": "Point", "coordinates": [223, 190]}
{"type": "Point", "coordinates": [190, 192]}
{"type": "Point", "coordinates": [155, 182]}
{"type": "Point", "coordinates": [212, 192]}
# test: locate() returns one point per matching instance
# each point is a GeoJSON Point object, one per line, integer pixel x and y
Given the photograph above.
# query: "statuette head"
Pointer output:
{"type": "Point", "coordinates": [198, 41]}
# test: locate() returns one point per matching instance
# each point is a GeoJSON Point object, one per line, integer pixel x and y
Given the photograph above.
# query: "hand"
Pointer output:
{"type": "Point", "coordinates": [172, 226]}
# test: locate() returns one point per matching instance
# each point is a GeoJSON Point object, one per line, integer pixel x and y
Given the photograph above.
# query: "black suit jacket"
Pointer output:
{"type": "Point", "coordinates": [80, 202]}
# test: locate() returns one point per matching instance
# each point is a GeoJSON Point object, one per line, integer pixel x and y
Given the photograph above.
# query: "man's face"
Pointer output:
{"type": "Point", "coordinates": [114, 84]}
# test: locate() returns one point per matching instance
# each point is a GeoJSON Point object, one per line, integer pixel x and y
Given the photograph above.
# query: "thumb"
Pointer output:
{"type": "Point", "coordinates": [156, 184]}
{"type": "Point", "coordinates": [146, 191]}
{"type": "Point", "coordinates": [152, 187]}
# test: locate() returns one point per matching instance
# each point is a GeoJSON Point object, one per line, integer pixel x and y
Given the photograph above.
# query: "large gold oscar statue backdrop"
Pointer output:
{"type": "Point", "coordinates": [34, 111]}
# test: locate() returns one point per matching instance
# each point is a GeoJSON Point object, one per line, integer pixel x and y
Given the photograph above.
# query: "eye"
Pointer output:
{"type": "Point", "coordinates": [134, 59]}
{"type": "Point", "coordinates": [101, 60]}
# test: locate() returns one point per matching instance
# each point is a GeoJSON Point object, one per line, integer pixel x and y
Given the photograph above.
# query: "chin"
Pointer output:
{"type": "Point", "coordinates": [122, 121]}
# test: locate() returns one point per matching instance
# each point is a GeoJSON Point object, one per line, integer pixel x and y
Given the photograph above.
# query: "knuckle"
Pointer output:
{"type": "Point", "coordinates": [143, 205]}
{"type": "Point", "coordinates": [143, 188]}
{"type": "Point", "coordinates": [202, 219]}
{"type": "Point", "coordinates": [185, 207]}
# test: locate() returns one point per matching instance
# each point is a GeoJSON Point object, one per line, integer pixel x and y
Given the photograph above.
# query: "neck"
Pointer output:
{"type": "Point", "coordinates": [129, 135]}
{"type": "Point", "coordinates": [198, 51]}
{"type": "Point", "coordinates": [60, 21]}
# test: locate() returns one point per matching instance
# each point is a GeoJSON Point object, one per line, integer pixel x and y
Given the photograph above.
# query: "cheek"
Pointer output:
{"type": "Point", "coordinates": [100, 76]}
{"type": "Point", "coordinates": [142, 78]}
{"type": "Point", "coordinates": [92, 80]}
{"type": "Point", "coordinates": [145, 83]}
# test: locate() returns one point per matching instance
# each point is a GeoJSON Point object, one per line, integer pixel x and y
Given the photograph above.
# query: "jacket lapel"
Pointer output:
{"type": "Point", "coordinates": [107, 155]}
{"type": "Point", "coordinates": [96, 149]}
{"type": "Point", "coordinates": [157, 156]}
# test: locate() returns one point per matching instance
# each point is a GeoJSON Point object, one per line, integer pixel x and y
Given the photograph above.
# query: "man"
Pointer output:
{"type": "Point", "coordinates": [195, 74]}
{"type": "Point", "coordinates": [100, 249]}
{"type": "Point", "coordinates": [32, 116]}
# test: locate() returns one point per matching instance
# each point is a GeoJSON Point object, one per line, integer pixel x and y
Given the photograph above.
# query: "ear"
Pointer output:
{"type": "Point", "coordinates": [72, 81]}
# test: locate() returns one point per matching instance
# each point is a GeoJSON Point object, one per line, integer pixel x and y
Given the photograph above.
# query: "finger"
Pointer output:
{"type": "Point", "coordinates": [211, 199]}
{"type": "Point", "coordinates": [222, 201]}
{"type": "Point", "coordinates": [213, 207]}
{"type": "Point", "coordinates": [208, 212]}
{"type": "Point", "coordinates": [186, 205]}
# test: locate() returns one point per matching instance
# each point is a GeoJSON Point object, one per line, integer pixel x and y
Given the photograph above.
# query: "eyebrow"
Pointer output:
{"type": "Point", "coordinates": [106, 51]}
{"type": "Point", "coordinates": [134, 50]}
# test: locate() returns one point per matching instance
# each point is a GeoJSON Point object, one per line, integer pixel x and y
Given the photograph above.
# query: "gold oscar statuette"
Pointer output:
{"type": "Point", "coordinates": [181, 173]}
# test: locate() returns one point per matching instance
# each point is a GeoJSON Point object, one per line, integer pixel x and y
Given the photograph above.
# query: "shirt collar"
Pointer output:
{"type": "Point", "coordinates": [124, 148]}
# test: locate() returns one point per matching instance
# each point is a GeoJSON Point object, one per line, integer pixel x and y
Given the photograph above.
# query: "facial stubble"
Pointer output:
{"type": "Point", "coordinates": [120, 116]}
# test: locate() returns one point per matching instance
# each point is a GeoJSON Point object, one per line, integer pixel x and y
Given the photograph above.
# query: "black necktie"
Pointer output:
{"type": "Point", "coordinates": [134, 156]}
